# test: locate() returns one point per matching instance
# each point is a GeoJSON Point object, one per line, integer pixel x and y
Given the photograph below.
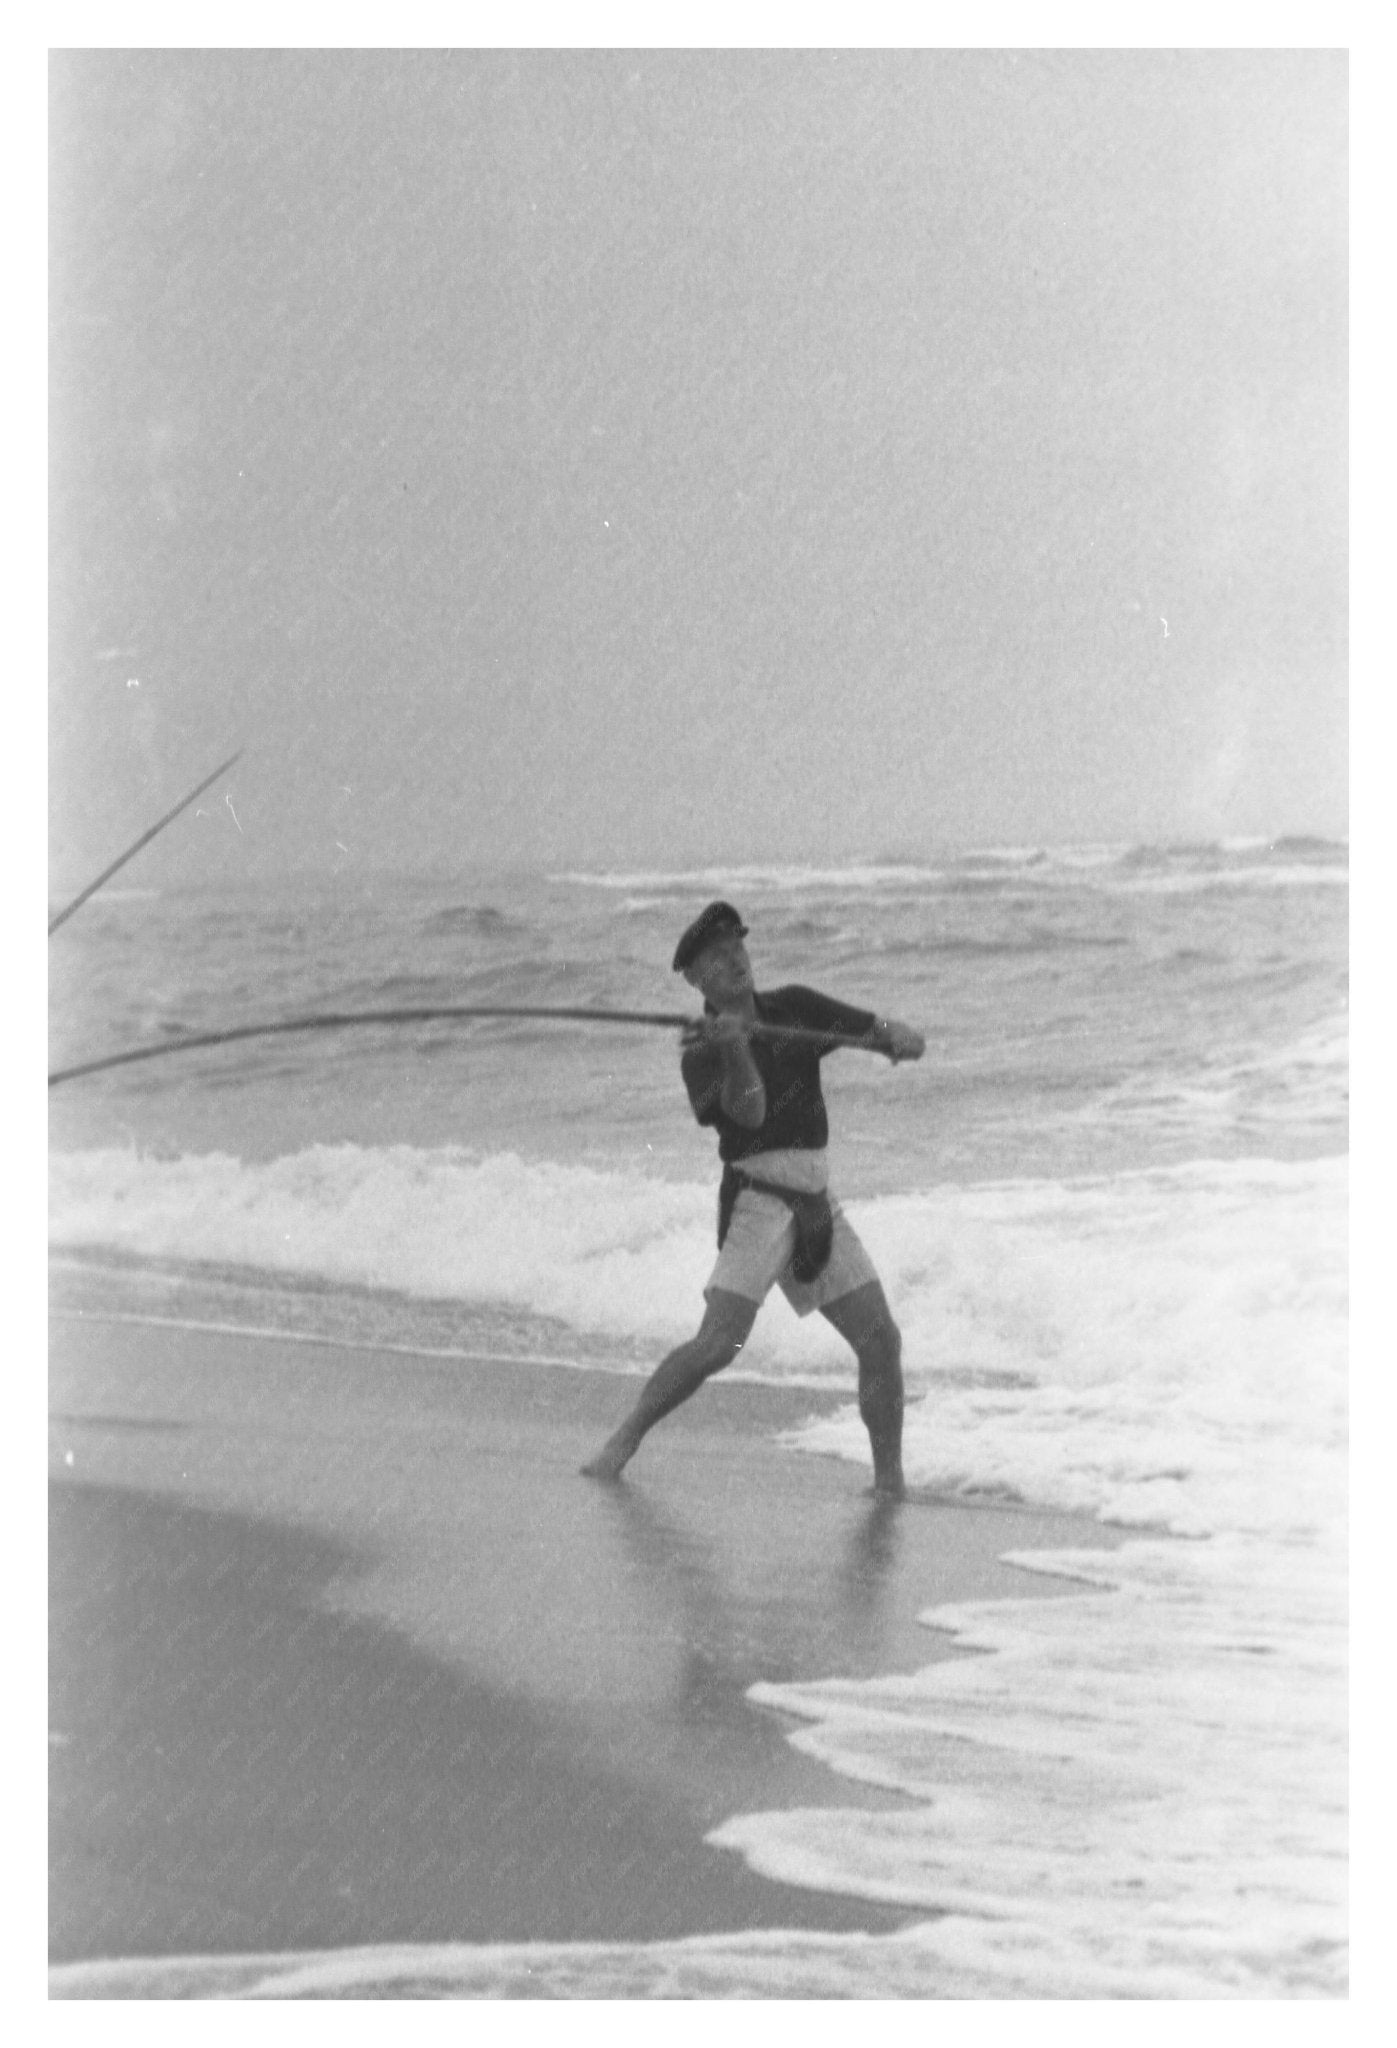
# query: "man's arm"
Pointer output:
{"type": "Point", "coordinates": [720, 1073]}
{"type": "Point", "coordinates": [742, 1092]}
{"type": "Point", "coordinates": [817, 1012]}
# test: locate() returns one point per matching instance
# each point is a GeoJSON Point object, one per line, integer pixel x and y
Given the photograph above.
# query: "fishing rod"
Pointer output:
{"type": "Point", "coordinates": [345, 1020]}
{"type": "Point", "coordinates": [144, 840]}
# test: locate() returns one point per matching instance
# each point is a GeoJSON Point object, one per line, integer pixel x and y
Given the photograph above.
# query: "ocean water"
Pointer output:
{"type": "Point", "coordinates": [1109, 1208]}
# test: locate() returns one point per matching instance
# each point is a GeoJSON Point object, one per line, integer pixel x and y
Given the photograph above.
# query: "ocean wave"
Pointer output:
{"type": "Point", "coordinates": [112, 892]}
{"type": "Point", "coordinates": [1179, 883]}
{"type": "Point", "coordinates": [1170, 868]}
{"type": "Point", "coordinates": [1296, 1087]}
{"type": "Point", "coordinates": [1138, 1789]}
{"type": "Point", "coordinates": [1004, 857]}
{"type": "Point", "coordinates": [1034, 940]}
{"type": "Point", "coordinates": [918, 1963]}
{"type": "Point", "coordinates": [1117, 1298]}
{"type": "Point", "coordinates": [957, 1956]}
{"type": "Point", "coordinates": [471, 920]}
{"type": "Point", "coordinates": [782, 878]}
{"type": "Point", "coordinates": [602, 1251]}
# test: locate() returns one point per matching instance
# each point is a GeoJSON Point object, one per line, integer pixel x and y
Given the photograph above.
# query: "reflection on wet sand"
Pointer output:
{"type": "Point", "coordinates": [732, 1613]}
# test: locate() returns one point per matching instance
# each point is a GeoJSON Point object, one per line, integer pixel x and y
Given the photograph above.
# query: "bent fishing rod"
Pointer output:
{"type": "Point", "coordinates": [144, 840]}
{"type": "Point", "coordinates": [348, 1019]}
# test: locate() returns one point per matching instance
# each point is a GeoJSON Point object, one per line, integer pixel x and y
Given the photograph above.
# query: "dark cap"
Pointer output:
{"type": "Point", "coordinates": [719, 917]}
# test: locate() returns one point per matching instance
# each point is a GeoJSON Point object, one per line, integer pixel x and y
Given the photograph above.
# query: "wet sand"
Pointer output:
{"type": "Point", "coordinates": [345, 1651]}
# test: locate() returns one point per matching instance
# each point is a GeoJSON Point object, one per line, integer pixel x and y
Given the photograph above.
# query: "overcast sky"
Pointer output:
{"type": "Point", "coordinates": [578, 458]}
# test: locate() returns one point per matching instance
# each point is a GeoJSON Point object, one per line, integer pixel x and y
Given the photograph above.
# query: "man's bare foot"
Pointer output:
{"type": "Point", "coordinates": [611, 1460]}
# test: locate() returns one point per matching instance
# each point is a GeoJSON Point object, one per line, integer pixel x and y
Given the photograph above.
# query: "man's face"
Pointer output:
{"type": "Point", "coordinates": [721, 973]}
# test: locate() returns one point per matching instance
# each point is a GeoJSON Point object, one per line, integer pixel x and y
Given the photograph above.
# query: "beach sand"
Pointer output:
{"type": "Point", "coordinates": [345, 1652]}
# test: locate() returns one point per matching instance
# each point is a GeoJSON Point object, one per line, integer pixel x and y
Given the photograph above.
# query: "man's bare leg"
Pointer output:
{"type": "Point", "coordinates": [864, 1320]}
{"type": "Point", "coordinates": [725, 1328]}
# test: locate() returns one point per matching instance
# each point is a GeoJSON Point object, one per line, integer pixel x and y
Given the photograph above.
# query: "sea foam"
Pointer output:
{"type": "Point", "coordinates": [1109, 1284]}
{"type": "Point", "coordinates": [1139, 1788]}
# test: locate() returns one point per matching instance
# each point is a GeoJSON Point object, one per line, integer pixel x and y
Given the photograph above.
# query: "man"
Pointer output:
{"type": "Point", "coordinates": [777, 1224]}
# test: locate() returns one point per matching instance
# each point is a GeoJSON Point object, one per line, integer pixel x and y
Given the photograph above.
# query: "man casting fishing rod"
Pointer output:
{"type": "Point", "coordinates": [777, 1223]}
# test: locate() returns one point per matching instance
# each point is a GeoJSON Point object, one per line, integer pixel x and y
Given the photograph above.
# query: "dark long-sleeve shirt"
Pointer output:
{"type": "Point", "coordinates": [790, 1071]}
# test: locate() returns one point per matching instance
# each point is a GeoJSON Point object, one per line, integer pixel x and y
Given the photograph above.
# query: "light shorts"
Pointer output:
{"type": "Point", "coordinates": [756, 1256]}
